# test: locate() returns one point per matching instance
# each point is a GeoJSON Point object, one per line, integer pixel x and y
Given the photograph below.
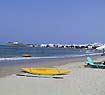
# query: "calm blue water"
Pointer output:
{"type": "Point", "coordinates": [15, 53]}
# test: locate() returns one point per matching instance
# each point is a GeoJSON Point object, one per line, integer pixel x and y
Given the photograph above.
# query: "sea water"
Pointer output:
{"type": "Point", "coordinates": [14, 53]}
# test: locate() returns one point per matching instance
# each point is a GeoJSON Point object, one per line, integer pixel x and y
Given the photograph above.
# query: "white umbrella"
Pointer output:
{"type": "Point", "coordinates": [101, 48]}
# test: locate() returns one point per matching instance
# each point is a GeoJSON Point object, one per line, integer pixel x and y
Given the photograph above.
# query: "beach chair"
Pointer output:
{"type": "Point", "coordinates": [94, 64]}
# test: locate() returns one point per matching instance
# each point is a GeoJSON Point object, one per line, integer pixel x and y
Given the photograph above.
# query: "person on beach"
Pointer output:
{"type": "Point", "coordinates": [103, 62]}
{"type": "Point", "coordinates": [103, 52]}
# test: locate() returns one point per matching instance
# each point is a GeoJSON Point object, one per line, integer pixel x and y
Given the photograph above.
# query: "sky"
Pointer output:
{"type": "Point", "coordinates": [52, 21]}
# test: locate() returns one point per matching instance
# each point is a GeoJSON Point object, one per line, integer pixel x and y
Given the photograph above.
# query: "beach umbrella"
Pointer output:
{"type": "Point", "coordinates": [101, 48]}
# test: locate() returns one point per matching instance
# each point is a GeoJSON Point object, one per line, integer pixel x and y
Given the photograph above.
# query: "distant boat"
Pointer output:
{"type": "Point", "coordinates": [27, 55]}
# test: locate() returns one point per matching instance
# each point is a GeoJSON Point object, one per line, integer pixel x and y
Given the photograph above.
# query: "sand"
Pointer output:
{"type": "Point", "coordinates": [81, 81]}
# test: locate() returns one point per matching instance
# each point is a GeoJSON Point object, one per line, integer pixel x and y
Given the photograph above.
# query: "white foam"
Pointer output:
{"type": "Point", "coordinates": [47, 57]}
{"type": "Point", "coordinates": [23, 58]}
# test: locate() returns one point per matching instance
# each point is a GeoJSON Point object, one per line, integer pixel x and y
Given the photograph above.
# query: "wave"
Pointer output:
{"type": "Point", "coordinates": [47, 57]}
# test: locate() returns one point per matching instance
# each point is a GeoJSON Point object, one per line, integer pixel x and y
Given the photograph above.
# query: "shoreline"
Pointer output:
{"type": "Point", "coordinates": [7, 70]}
{"type": "Point", "coordinates": [80, 81]}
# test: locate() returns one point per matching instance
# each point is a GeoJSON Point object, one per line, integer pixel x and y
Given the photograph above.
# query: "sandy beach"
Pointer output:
{"type": "Point", "coordinates": [80, 81]}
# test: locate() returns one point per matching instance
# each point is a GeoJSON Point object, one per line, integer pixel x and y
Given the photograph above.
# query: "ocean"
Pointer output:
{"type": "Point", "coordinates": [14, 53]}
{"type": "Point", "coordinates": [11, 60]}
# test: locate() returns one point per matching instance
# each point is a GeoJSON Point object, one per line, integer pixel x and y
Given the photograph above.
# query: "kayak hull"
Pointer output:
{"type": "Point", "coordinates": [45, 71]}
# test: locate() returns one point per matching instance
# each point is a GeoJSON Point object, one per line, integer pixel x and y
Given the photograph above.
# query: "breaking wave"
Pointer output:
{"type": "Point", "coordinates": [46, 57]}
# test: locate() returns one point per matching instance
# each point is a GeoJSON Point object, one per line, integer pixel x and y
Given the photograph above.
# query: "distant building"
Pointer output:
{"type": "Point", "coordinates": [15, 44]}
{"type": "Point", "coordinates": [79, 46]}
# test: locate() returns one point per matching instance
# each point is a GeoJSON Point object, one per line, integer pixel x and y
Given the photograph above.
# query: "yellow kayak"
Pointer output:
{"type": "Point", "coordinates": [45, 71]}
